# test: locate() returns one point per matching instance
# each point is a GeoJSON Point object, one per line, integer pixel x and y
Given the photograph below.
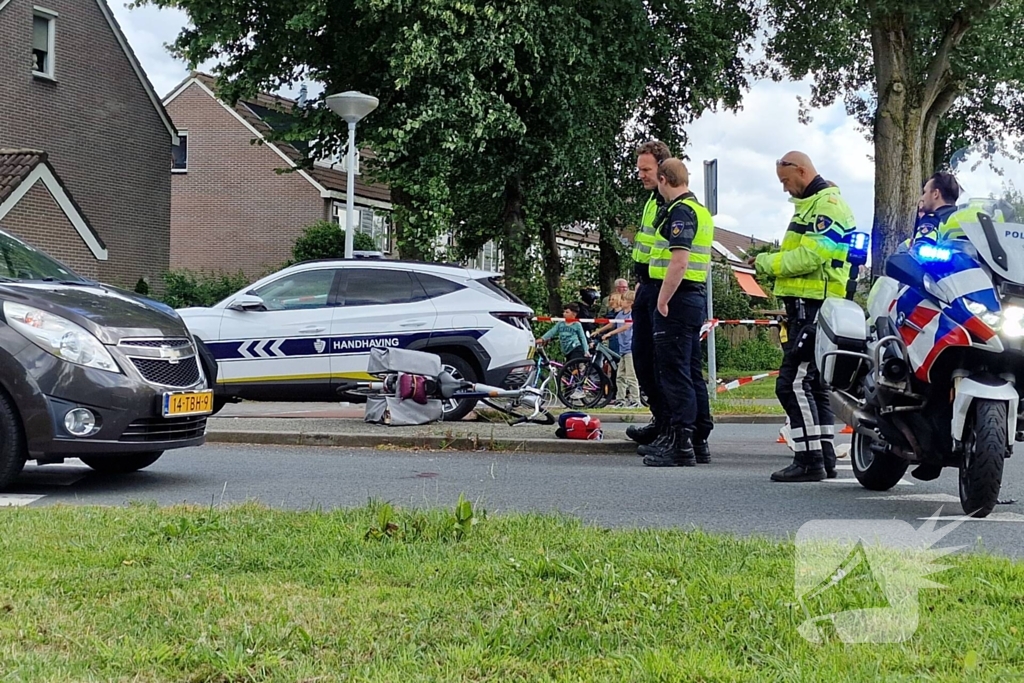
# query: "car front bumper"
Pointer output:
{"type": "Point", "coordinates": [128, 409]}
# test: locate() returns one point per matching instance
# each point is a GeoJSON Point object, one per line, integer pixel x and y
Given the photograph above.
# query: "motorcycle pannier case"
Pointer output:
{"type": "Point", "coordinates": [841, 327]}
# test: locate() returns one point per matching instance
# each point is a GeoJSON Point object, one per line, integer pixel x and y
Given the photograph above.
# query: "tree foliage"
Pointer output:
{"type": "Point", "coordinates": [498, 119]}
{"type": "Point", "coordinates": [924, 77]}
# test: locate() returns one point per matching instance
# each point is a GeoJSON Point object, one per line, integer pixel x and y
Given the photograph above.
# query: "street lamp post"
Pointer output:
{"type": "Point", "coordinates": [352, 106]}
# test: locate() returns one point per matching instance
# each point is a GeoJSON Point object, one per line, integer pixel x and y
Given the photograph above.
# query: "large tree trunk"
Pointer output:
{"type": "Point", "coordinates": [516, 240]}
{"type": "Point", "coordinates": [898, 146]}
{"type": "Point", "coordinates": [552, 267]}
{"type": "Point", "coordinates": [909, 111]}
{"type": "Point", "coordinates": [610, 265]}
{"type": "Point", "coordinates": [898, 174]}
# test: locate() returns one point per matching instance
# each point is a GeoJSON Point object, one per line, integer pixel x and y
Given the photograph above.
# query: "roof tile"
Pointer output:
{"type": "Point", "coordinates": [15, 166]}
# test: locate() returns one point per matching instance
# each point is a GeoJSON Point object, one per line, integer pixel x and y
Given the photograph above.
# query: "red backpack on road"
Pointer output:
{"type": "Point", "coordinates": [578, 426]}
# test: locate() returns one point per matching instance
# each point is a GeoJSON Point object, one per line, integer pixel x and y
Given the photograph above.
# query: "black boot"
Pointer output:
{"type": "Point", "coordinates": [655, 446]}
{"type": "Point", "coordinates": [645, 435]}
{"type": "Point", "coordinates": [828, 453]}
{"type": "Point", "coordinates": [702, 452]}
{"type": "Point", "coordinates": [676, 451]}
{"type": "Point", "coordinates": [806, 467]}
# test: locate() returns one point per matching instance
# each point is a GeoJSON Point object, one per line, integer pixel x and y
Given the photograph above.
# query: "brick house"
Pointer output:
{"type": "Point", "coordinates": [232, 208]}
{"type": "Point", "coordinates": [80, 120]}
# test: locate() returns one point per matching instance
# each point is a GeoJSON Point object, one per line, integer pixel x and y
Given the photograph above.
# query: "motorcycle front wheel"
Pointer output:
{"type": "Point", "coordinates": [875, 471]}
{"type": "Point", "coordinates": [981, 474]}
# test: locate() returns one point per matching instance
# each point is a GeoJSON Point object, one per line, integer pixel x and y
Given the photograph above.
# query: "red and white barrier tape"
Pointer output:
{"type": "Point", "coordinates": [737, 383]}
{"type": "Point", "coordinates": [605, 321]}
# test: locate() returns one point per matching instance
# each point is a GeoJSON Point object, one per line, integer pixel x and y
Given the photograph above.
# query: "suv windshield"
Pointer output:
{"type": "Point", "coordinates": [20, 261]}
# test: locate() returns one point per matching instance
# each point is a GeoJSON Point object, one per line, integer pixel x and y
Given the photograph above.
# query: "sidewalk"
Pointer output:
{"type": "Point", "coordinates": [341, 425]}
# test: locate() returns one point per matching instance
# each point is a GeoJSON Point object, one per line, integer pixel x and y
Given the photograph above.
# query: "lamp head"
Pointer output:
{"type": "Point", "coordinates": [351, 105]}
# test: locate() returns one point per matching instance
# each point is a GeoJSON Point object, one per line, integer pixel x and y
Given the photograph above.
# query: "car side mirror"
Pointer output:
{"type": "Point", "coordinates": [248, 302]}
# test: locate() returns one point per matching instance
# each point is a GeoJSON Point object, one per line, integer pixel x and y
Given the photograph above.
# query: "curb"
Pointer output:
{"type": "Point", "coordinates": [338, 440]}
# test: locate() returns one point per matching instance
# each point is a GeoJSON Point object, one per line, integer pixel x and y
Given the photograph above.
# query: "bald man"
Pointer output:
{"type": "Point", "coordinates": [810, 267]}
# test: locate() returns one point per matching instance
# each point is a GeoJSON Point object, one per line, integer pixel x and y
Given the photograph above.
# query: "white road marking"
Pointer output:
{"type": "Point", "coordinates": [901, 482]}
{"type": "Point", "coordinates": [994, 517]}
{"type": "Point", "coordinates": [919, 497]}
{"type": "Point", "coordinates": [14, 500]}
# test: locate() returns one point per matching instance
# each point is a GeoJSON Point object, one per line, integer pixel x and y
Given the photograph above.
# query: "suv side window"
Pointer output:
{"type": "Point", "coordinates": [308, 289]}
{"type": "Point", "coordinates": [378, 286]}
{"type": "Point", "coordinates": [437, 286]}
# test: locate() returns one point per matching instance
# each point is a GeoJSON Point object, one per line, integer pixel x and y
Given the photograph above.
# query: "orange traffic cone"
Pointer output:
{"type": "Point", "coordinates": [847, 430]}
{"type": "Point", "coordinates": [781, 439]}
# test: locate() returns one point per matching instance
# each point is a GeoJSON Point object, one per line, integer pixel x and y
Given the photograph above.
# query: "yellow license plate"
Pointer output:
{"type": "Point", "coordinates": [188, 403]}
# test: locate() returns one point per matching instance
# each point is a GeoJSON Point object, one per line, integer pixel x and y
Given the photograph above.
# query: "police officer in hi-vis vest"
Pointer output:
{"type": "Point", "coordinates": [680, 263]}
{"type": "Point", "coordinates": [811, 266]}
{"type": "Point", "coordinates": [648, 156]}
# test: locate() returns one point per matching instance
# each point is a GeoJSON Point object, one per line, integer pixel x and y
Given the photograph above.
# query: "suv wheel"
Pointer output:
{"type": "Point", "coordinates": [453, 411]}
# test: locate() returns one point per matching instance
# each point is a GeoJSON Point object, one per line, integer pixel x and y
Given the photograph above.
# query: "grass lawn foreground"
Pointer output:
{"type": "Point", "coordinates": [244, 593]}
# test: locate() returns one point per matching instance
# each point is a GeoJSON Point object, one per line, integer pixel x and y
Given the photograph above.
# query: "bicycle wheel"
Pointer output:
{"type": "Point", "coordinates": [581, 385]}
{"type": "Point", "coordinates": [520, 409]}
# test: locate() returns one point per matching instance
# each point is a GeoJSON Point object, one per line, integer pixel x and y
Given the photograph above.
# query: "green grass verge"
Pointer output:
{"type": "Point", "coordinates": [248, 594]}
{"type": "Point", "coordinates": [727, 406]}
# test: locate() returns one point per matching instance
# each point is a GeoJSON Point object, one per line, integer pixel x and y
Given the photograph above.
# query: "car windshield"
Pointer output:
{"type": "Point", "coordinates": [20, 261]}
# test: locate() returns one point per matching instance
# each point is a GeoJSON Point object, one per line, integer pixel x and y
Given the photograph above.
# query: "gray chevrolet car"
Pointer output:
{"type": "Point", "coordinates": [90, 371]}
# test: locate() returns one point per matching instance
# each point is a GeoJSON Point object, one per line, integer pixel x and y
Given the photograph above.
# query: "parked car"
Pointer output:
{"type": "Point", "coordinates": [298, 334]}
{"type": "Point", "coordinates": [90, 371]}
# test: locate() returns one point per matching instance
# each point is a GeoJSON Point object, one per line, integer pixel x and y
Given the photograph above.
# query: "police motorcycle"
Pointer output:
{"type": "Point", "coordinates": [930, 377]}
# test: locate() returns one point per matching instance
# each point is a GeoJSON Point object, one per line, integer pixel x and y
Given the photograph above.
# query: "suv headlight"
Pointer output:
{"type": "Point", "coordinates": [59, 336]}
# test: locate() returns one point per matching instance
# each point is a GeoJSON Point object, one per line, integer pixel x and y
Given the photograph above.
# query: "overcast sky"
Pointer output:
{"type": "Point", "coordinates": [746, 143]}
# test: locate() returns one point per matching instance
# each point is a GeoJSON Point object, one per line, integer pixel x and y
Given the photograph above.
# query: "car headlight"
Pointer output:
{"type": "Point", "coordinates": [59, 336]}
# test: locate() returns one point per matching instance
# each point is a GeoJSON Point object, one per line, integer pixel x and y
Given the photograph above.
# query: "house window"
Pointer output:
{"type": "Point", "coordinates": [44, 25]}
{"type": "Point", "coordinates": [179, 153]}
{"type": "Point", "coordinates": [376, 224]}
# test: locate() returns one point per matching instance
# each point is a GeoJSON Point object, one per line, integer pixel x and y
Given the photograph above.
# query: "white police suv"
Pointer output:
{"type": "Point", "coordinates": [298, 334]}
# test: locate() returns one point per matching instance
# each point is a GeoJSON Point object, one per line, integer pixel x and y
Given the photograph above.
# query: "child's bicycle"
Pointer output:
{"type": "Point", "coordinates": [591, 382]}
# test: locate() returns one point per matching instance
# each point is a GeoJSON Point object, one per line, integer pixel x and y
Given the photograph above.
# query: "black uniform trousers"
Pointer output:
{"type": "Point", "coordinates": [679, 361]}
{"type": "Point", "coordinates": [645, 307]}
{"type": "Point", "coordinates": [799, 387]}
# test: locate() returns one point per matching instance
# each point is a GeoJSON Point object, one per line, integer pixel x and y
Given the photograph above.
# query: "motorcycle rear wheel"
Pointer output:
{"type": "Point", "coordinates": [981, 474]}
{"type": "Point", "coordinates": [875, 471]}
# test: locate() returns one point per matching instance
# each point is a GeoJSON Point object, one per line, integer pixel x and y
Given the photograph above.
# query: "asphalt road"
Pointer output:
{"type": "Point", "coordinates": [732, 494]}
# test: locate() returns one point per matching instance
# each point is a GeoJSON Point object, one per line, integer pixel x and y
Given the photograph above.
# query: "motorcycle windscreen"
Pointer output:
{"type": "Point", "coordinates": [1002, 240]}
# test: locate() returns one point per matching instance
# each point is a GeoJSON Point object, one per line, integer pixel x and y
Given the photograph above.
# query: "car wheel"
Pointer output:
{"type": "Point", "coordinates": [12, 442]}
{"type": "Point", "coordinates": [121, 464]}
{"type": "Point", "coordinates": [453, 410]}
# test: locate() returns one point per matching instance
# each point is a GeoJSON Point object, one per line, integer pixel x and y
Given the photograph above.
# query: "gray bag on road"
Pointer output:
{"type": "Point", "coordinates": [384, 361]}
{"type": "Point", "coordinates": [391, 410]}
{"type": "Point", "coordinates": [394, 411]}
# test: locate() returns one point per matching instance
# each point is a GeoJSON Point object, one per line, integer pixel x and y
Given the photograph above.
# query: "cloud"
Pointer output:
{"type": "Point", "coordinates": [149, 29]}
{"type": "Point", "coordinates": [747, 143]}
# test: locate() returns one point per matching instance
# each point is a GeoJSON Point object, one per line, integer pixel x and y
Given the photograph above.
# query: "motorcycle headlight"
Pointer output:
{"type": "Point", "coordinates": [1013, 321]}
{"type": "Point", "coordinates": [59, 336]}
{"type": "Point", "coordinates": [993, 319]}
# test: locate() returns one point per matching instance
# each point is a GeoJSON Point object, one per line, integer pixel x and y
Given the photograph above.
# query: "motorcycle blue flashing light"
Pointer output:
{"type": "Point", "coordinates": [928, 252]}
{"type": "Point", "coordinates": [858, 253]}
